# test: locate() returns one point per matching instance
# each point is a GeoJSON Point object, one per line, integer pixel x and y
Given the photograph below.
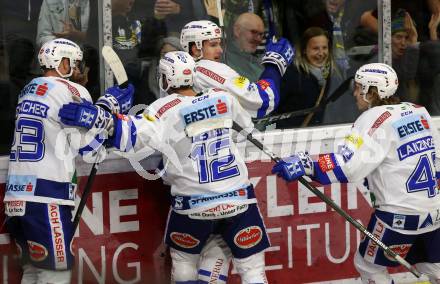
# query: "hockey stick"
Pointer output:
{"type": "Point", "coordinates": [331, 203]}
{"type": "Point", "coordinates": [333, 97]}
{"type": "Point", "coordinates": [222, 27]}
{"type": "Point", "coordinates": [115, 64]}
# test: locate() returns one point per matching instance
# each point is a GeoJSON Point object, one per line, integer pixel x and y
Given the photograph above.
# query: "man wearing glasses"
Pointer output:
{"type": "Point", "coordinates": [241, 52]}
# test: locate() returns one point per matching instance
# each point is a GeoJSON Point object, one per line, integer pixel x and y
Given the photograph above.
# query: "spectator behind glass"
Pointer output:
{"type": "Point", "coordinates": [126, 30]}
{"type": "Point", "coordinates": [340, 19]}
{"type": "Point", "coordinates": [303, 82]}
{"type": "Point", "coordinates": [63, 18]}
{"type": "Point", "coordinates": [420, 12]}
{"type": "Point", "coordinates": [406, 52]}
{"type": "Point", "coordinates": [179, 12]}
{"type": "Point", "coordinates": [248, 34]}
{"type": "Point", "coordinates": [18, 21]}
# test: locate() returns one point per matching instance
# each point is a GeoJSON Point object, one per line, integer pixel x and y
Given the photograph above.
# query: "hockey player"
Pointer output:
{"type": "Point", "coordinates": [40, 190]}
{"type": "Point", "coordinates": [395, 146]}
{"type": "Point", "coordinates": [205, 172]}
{"type": "Point", "coordinates": [202, 39]}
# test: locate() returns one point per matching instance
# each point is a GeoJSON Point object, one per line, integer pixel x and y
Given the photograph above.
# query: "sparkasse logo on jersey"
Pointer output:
{"type": "Point", "coordinates": [205, 108]}
{"type": "Point", "coordinates": [411, 125]}
{"type": "Point", "coordinates": [20, 185]}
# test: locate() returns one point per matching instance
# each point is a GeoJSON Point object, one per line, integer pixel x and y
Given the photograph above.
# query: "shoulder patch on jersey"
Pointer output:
{"type": "Point", "coordinates": [345, 152]}
{"type": "Point", "coordinates": [411, 125]}
{"type": "Point", "coordinates": [263, 84]}
{"type": "Point", "coordinates": [166, 107]}
{"type": "Point", "coordinates": [240, 81]}
{"type": "Point", "coordinates": [71, 88]}
{"type": "Point", "coordinates": [381, 119]}
{"type": "Point", "coordinates": [149, 117]}
{"type": "Point", "coordinates": [211, 74]}
{"type": "Point", "coordinates": [356, 140]}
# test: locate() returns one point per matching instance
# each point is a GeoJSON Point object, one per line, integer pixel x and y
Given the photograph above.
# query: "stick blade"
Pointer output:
{"type": "Point", "coordinates": [115, 64]}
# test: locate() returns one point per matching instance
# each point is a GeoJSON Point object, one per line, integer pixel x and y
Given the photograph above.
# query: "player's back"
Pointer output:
{"type": "Point", "coordinates": [41, 165]}
{"type": "Point", "coordinates": [205, 164]}
{"type": "Point", "coordinates": [405, 182]}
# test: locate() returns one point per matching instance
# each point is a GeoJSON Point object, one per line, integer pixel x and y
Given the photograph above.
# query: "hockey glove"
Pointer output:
{"type": "Point", "coordinates": [86, 115]}
{"type": "Point", "coordinates": [279, 53]}
{"type": "Point", "coordinates": [294, 167]}
{"type": "Point", "coordinates": [117, 100]}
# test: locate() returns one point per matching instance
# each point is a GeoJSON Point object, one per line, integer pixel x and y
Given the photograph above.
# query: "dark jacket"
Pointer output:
{"type": "Point", "coordinates": [299, 90]}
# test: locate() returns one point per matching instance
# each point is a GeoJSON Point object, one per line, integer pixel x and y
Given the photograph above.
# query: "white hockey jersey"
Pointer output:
{"type": "Point", "coordinates": [42, 164]}
{"type": "Point", "coordinates": [259, 98]}
{"type": "Point", "coordinates": [204, 170]}
{"type": "Point", "coordinates": [395, 148]}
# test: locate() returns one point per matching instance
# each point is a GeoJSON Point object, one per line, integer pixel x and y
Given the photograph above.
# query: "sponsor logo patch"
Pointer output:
{"type": "Point", "coordinates": [399, 221]}
{"type": "Point", "coordinates": [208, 108]}
{"type": "Point", "coordinates": [248, 237]}
{"type": "Point", "coordinates": [37, 252]}
{"type": "Point", "coordinates": [211, 74]}
{"type": "Point", "coordinates": [15, 208]}
{"type": "Point", "coordinates": [184, 240]}
{"type": "Point", "coordinates": [240, 82]}
{"type": "Point", "coordinates": [345, 152]}
{"type": "Point", "coordinates": [411, 125]}
{"type": "Point", "coordinates": [378, 231]}
{"type": "Point", "coordinates": [71, 88]}
{"type": "Point", "coordinates": [202, 200]}
{"type": "Point", "coordinates": [37, 87]}
{"type": "Point", "coordinates": [149, 117]}
{"type": "Point", "coordinates": [122, 117]}
{"type": "Point", "coordinates": [402, 250]}
{"type": "Point", "coordinates": [57, 236]}
{"type": "Point", "coordinates": [167, 106]}
{"type": "Point", "coordinates": [357, 141]}
{"type": "Point", "coordinates": [326, 163]}
{"type": "Point", "coordinates": [21, 185]}
{"type": "Point", "coordinates": [263, 84]}
{"type": "Point", "coordinates": [384, 116]}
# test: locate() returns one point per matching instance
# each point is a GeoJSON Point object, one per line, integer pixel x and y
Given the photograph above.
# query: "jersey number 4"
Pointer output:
{"type": "Point", "coordinates": [28, 144]}
{"type": "Point", "coordinates": [214, 160]}
{"type": "Point", "coordinates": [423, 177]}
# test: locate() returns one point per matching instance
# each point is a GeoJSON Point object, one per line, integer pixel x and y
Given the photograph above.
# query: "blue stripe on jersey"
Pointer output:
{"type": "Point", "coordinates": [92, 146]}
{"type": "Point", "coordinates": [265, 98]}
{"type": "Point", "coordinates": [208, 274]}
{"type": "Point", "coordinates": [116, 139]}
{"type": "Point", "coordinates": [133, 134]}
{"type": "Point", "coordinates": [204, 272]}
{"type": "Point", "coordinates": [340, 174]}
{"type": "Point", "coordinates": [41, 187]}
{"type": "Point", "coordinates": [319, 175]}
{"type": "Point", "coordinates": [188, 282]}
